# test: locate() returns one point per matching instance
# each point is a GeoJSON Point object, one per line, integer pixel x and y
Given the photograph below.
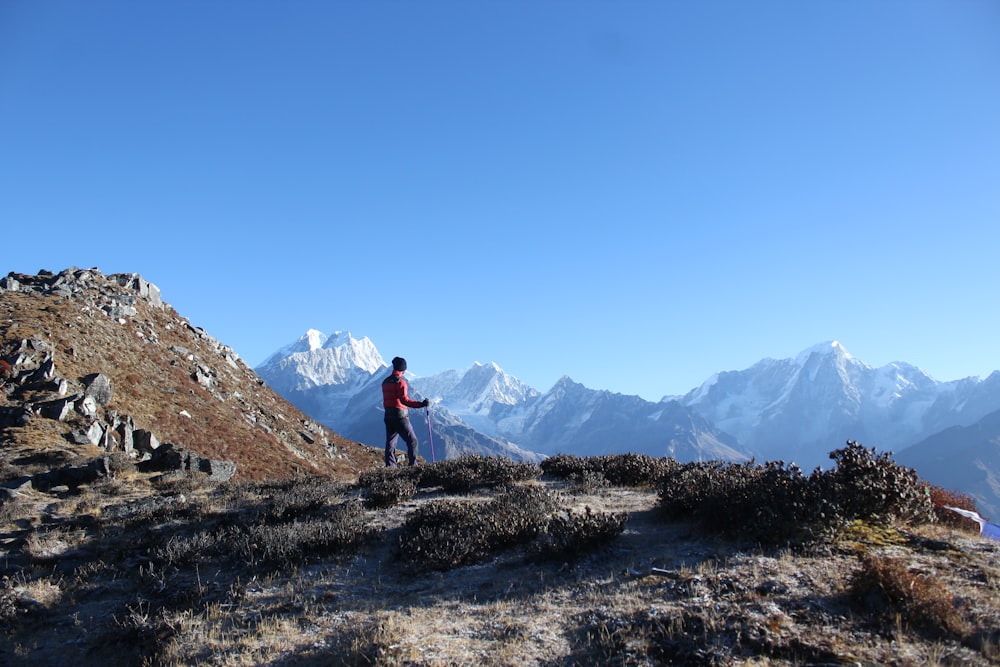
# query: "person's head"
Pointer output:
{"type": "Point", "coordinates": [398, 364]}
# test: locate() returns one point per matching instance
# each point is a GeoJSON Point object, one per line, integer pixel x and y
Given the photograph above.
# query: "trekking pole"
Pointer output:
{"type": "Point", "coordinates": [430, 436]}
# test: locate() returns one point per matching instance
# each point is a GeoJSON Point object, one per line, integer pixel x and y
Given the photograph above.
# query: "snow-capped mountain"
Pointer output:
{"type": "Point", "coordinates": [473, 395]}
{"type": "Point", "coordinates": [484, 410]}
{"type": "Point", "coordinates": [797, 409]}
{"type": "Point", "coordinates": [321, 375]}
{"type": "Point", "coordinates": [800, 409]}
{"type": "Point", "coordinates": [316, 360]}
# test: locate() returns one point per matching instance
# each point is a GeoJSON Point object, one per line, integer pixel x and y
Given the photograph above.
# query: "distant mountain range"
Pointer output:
{"type": "Point", "coordinates": [796, 410]}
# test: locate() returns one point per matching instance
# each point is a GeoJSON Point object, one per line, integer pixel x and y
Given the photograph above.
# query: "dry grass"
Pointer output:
{"type": "Point", "coordinates": [660, 593]}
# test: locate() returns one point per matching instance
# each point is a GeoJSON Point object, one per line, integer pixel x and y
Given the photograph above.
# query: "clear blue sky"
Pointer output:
{"type": "Point", "coordinates": [634, 194]}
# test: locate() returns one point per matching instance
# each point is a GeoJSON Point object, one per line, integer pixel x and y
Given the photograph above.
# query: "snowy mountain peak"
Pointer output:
{"type": "Point", "coordinates": [351, 351]}
{"type": "Point", "coordinates": [828, 348]}
{"type": "Point", "coordinates": [317, 360]}
{"type": "Point", "coordinates": [310, 340]}
{"type": "Point", "coordinates": [314, 339]}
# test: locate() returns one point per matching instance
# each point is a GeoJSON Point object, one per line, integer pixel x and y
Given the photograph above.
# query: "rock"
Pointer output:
{"type": "Point", "coordinates": [125, 430]}
{"type": "Point", "coordinates": [58, 409]}
{"type": "Point", "coordinates": [144, 441]}
{"type": "Point", "coordinates": [9, 284]}
{"type": "Point", "coordinates": [144, 289]}
{"type": "Point", "coordinates": [87, 406]}
{"type": "Point", "coordinates": [220, 471]}
{"type": "Point", "coordinates": [98, 386]}
{"type": "Point", "coordinates": [203, 376]}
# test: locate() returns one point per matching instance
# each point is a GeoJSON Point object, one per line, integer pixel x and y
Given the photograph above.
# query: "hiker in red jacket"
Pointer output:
{"type": "Point", "coordinates": [397, 419]}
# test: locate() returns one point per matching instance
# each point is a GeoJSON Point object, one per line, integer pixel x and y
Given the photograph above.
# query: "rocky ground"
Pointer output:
{"type": "Point", "coordinates": [85, 578]}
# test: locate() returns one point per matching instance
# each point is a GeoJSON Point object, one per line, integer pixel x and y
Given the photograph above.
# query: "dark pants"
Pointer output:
{"type": "Point", "coordinates": [395, 427]}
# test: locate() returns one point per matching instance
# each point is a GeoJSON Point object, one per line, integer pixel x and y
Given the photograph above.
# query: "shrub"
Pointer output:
{"type": "Point", "coordinates": [570, 533]}
{"type": "Point", "coordinates": [294, 498]}
{"type": "Point", "coordinates": [588, 481]}
{"type": "Point", "coordinates": [378, 475]}
{"type": "Point", "coordinates": [467, 472]}
{"type": "Point", "coordinates": [562, 466]}
{"type": "Point", "coordinates": [389, 491]}
{"type": "Point", "coordinates": [886, 588]}
{"type": "Point", "coordinates": [774, 503]}
{"type": "Point", "coordinates": [945, 516]}
{"type": "Point", "coordinates": [447, 533]}
{"type": "Point", "coordinates": [872, 488]}
{"type": "Point", "coordinates": [339, 531]}
{"type": "Point", "coordinates": [628, 469]}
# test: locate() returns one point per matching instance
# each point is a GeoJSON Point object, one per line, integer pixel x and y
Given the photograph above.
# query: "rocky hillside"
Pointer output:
{"type": "Point", "coordinates": [97, 365]}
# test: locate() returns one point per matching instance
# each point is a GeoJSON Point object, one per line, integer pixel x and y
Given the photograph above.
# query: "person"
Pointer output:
{"type": "Point", "coordinates": [396, 400]}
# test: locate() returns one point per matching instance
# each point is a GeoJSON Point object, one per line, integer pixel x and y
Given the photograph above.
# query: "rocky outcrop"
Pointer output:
{"type": "Point", "coordinates": [104, 361]}
{"type": "Point", "coordinates": [29, 381]}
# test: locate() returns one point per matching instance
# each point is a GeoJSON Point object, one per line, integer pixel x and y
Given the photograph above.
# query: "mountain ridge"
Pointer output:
{"type": "Point", "coordinates": [796, 409]}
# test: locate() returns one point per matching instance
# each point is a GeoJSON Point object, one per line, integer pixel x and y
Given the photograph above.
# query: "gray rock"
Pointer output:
{"type": "Point", "coordinates": [98, 386]}
{"type": "Point", "coordinates": [126, 429]}
{"type": "Point", "coordinates": [144, 441]}
{"type": "Point", "coordinates": [221, 471]}
{"type": "Point", "coordinates": [87, 406]}
{"type": "Point", "coordinates": [58, 409]}
{"type": "Point", "coordinates": [9, 284]}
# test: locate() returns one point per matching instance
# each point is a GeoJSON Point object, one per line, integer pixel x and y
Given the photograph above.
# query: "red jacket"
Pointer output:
{"type": "Point", "coordinates": [394, 396]}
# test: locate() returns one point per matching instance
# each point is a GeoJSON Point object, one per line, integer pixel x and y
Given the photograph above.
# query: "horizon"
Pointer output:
{"type": "Point", "coordinates": [637, 195]}
{"type": "Point", "coordinates": [815, 347]}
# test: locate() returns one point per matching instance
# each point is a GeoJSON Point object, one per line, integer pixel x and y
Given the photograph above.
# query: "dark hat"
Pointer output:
{"type": "Point", "coordinates": [398, 364]}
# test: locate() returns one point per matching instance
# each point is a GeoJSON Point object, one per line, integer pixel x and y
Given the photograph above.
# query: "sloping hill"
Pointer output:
{"type": "Point", "coordinates": [963, 457]}
{"type": "Point", "coordinates": [167, 377]}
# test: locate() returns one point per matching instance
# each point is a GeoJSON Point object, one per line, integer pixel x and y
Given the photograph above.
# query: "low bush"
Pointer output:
{"type": "Point", "coordinates": [389, 490]}
{"type": "Point", "coordinates": [941, 497]}
{"type": "Point", "coordinates": [467, 472]}
{"type": "Point", "coordinates": [871, 487]}
{"type": "Point", "coordinates": [570, 533]}
{"type": "Point", "coordinates": [775, 503]}
{"type": "Point", "coordinates": [295, 498]}
{"type": "Point", "coordinates": [338, 531]}
{"type": "Point", "coordinates": [447, 533]}
{"type": "Point", "coordinates": [563, 466]}
{"type": "Point", "coordinates": [888, 590]}
{"type": "Point", "coordinates": [628, 469]}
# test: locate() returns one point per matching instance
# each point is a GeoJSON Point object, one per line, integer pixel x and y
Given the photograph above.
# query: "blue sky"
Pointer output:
{"type": "Point", "coordinates": [634, 194]}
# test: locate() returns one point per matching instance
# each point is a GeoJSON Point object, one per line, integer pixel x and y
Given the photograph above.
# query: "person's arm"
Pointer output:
{"type": "Point", "coordinates": [409, 402]}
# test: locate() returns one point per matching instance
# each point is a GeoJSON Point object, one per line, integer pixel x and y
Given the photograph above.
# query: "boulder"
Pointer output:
{"type": "Point", "coordinates": [144, 441]}
{"type": "Point", "coordinates": [220, 471]}
{"type": "Point", "coordinates": [98, 386]}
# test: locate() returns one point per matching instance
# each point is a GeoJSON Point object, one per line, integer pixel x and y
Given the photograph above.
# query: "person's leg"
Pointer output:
{"type": "Point", "coordinates": [410, 438]}
{"type": "Point", "coordinates": [391, 434]}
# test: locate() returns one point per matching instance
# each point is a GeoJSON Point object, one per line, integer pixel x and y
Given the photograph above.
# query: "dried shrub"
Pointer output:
{"type": "Point", "coordinates": [294, 498]}
{"type": "Point", "coordinates": [467, 472]}
{"type": "Point", "coordinates": [698, 635]}
{"type": "Point", "coordinates": [628, 469]}
{"type": "Point", "coordinates": [887, 589]}
{"type": "Point", "coordinates": [562, 466]}
{"type": "Point", "coordinates": [389, 491]}
{"type": "Point", "coordinates": [377, 475]}
{"type": "Point", "coordinates": [570, 533]}
{"type": "Point", "coordinates": [647, 637]}
{"type": "Point", "coordinates": [635, 470]}
{"type": "Point", "coordinates": [448, 533]}
{"type": "Point", "coordinates": [871, 487]}
{"type": "Point", "coordinates": [941, 497]}
{"type": "Point", "coordinates": [338, 532]}
{"type": "Point", "coordinates": [589, 482]}
{"type": "Point", "coordinates": [775, 503]}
